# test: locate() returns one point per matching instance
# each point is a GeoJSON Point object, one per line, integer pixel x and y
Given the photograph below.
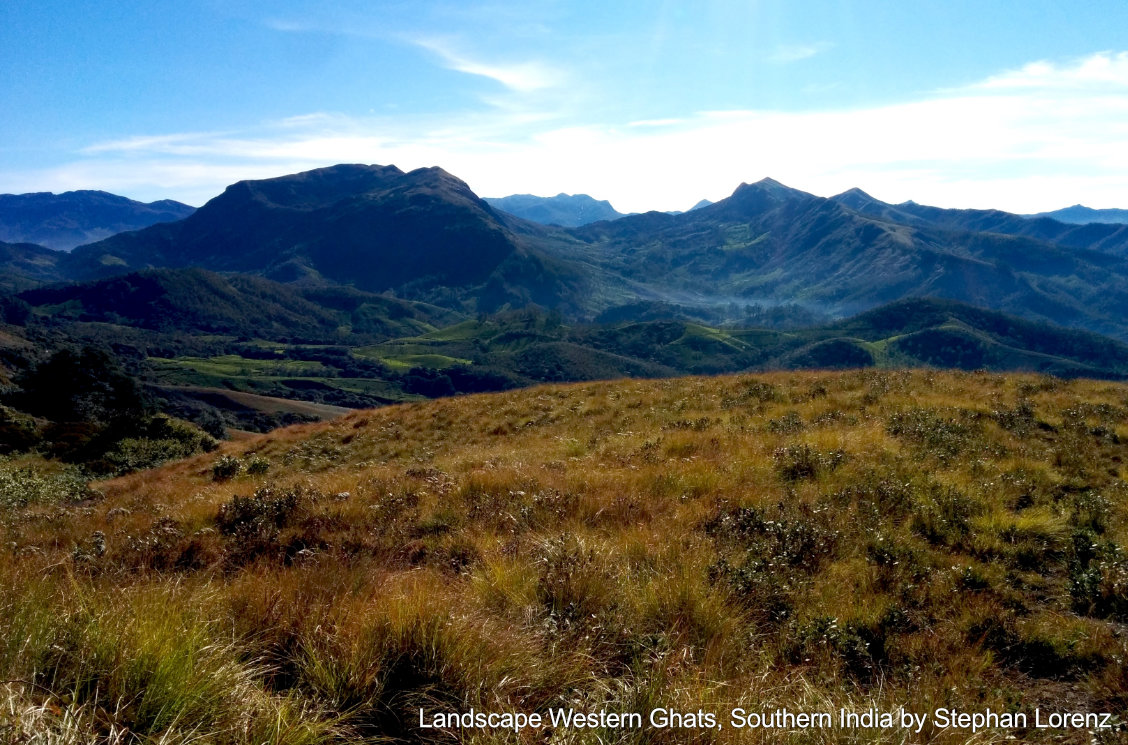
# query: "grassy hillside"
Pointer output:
{"type": "Point", "coordinates": [802, 540]}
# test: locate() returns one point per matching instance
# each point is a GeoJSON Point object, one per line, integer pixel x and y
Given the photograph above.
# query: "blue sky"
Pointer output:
{"type": "Point", "coordinates": [653, 105]}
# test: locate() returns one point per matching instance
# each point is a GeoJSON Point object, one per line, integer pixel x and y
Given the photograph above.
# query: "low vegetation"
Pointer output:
{"type": "Point", "coordinates": [813, 541]}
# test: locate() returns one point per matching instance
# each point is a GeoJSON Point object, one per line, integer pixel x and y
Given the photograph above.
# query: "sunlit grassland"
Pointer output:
{"type": "Point", "coordinates": [800, 540]}
{"type": "Point", "coordinates": [229, 365]}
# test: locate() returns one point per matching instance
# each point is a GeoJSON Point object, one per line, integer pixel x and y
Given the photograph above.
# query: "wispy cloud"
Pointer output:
{"type": "Point", "coordinates": [1040, 137]}
{"type": "Point", "coordinates": [787, 53]}
{"type": "Point", "coordinates": [522, 77]}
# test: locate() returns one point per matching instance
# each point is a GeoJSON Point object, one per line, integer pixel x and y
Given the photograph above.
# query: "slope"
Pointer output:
{"type": "Point", "coordinates": [858, 541]}
{"type": "Point", "coordinates": [25, 265]}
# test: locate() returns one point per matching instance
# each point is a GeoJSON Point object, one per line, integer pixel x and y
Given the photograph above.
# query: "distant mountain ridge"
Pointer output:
{"type": "Point", "coordinates": [566, 210]}
{"type": "Point", "coordinates": [1079, 214]}
{"type": "Point", "coordinates": [63, 221]}
{"type": "Point", "coordinates": [1110, 237]}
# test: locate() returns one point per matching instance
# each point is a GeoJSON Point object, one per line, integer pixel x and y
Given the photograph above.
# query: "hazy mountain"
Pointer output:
{"type": "Point", "coordinates": [1112, 238]}
{"type": "Point", "coordinates": [63, 221]}
{"type": "Point", "coordinates": [770, 244]}
{"type": "Point", "coordinates": [422, 234]}
{"type": "Point", "coordinates": [567, 210]}
{"type": "Point", "coordinates": [1081, 215]}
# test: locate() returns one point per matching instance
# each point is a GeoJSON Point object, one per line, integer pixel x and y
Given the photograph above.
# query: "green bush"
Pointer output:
{"type": "Point", "coordinates": [22, 485]}
{"type": "Point", "coordinates": [226, 467]}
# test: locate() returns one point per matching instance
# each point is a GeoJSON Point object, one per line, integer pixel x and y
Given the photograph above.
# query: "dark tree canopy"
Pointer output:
{"type": "Point", "coordinates": [85, 385]}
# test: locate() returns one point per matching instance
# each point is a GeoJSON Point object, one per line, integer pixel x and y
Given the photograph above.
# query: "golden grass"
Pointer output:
{"type": "Point", "coordinates": [800, 540]}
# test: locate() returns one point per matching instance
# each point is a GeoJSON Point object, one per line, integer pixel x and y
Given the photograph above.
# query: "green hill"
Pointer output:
{"type": "Point", "coordinates": [196, 301]}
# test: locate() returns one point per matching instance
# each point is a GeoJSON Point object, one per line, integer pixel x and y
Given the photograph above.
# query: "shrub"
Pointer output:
{"type": "Point", "coordinates": [1098, 578]}
{"type": "Point", "coordinates": [769, 559]}
{"type": "Point", "coordinates": [943, 439]}
{"type": "Point", "coordinates": [804, 541]}
{"type": "Point", "coordinates": [22, 485]}
{"type": "Point", "coordinates": [796, 462]}
{"type": "Point", "coordinates": [788, 424]}
{"type": "Point", "coordinates": [268, 510]}
{"type": "Point", "coordinates": [859, 649]}
{"type": "Point", "coordinates": [226, 467]}
{"type": "Point", "coordinates": [257, 465]}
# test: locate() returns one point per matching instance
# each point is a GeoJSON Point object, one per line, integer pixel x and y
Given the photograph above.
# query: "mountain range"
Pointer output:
{"type": "Point", "coordinates": [357, 285]}
{"type": "Point", "coordinates": [424, 236]}
{"type": "Point", "coordinates": [63, 221]}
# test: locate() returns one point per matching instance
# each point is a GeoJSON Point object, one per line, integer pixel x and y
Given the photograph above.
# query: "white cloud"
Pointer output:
{"type": "Point", "coordinates": [788, 53]}
{"type": "Point", "coordinates": [1041, 137]}
{"type": "Point", "coordinates": [655, 122]}
{"type": "Point", "coordinates": [1106, 70]}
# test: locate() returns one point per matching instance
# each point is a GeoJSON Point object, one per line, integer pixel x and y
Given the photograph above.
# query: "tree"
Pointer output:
{"type": "Point", "coordinates": [86, 385]}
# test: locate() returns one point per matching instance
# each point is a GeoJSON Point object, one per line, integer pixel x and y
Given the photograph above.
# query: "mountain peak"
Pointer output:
{"type": "Point", "coordinates": [765, 193]}
{"type": "Point", "coordinates": [315, 188]}
{"type": "Point", "coordinates": [855, 192]}
{"type": "Point", "coordinates": [855, 198]}
{"type": "Point", "coordinates": [769, 185]}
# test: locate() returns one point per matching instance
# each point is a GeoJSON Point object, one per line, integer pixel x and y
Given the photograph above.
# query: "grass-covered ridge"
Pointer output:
{"type": "Point", "coordinates": [800, 540]}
